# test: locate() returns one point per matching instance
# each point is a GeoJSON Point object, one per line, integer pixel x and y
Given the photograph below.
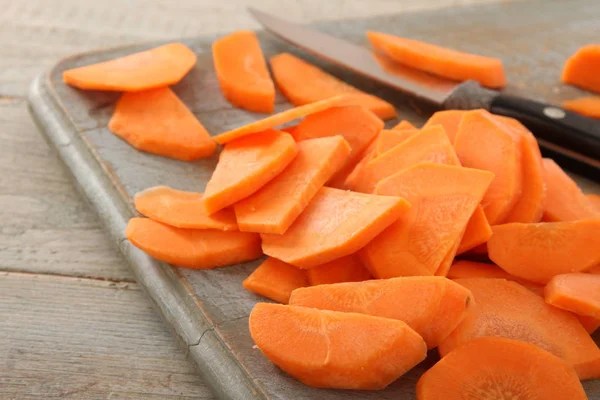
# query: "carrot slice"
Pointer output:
{"type": "Point", "coordinates": [507, 309]}
{"type": "Point", "coordinates": [158, 67]}
{"type": "Point", "coordinates": [578, 293]}
{"type": "Point", "coordinates": [303, 83]}
{"type": "Point", "coordinates": [440, 61]}
{"type": "Point", "coordinates": [448, 259]}
{"type": "Point", "coordinates": [157, 122]}
{"type": "Point", "coordinates": [329, 349]}
{"type": "Point", "coordinates": [581, 69]}
{"type": "Point", "coordinates": [443, 198]}
{"type": "Point", "coordinates": [470, 269]}
{"type": "Point", "coordinates": [588, 106]}
{"type": "Point", "coordinates": [345, 269]}
{"type": "Point", "coordinates": [499, 368]}
{"type": "Point", "coordinates": [537, 252]}
{"type": "Point", "coordinates": [483, 142]}
{"type": "Point", "coordinates": [449, 120]}
{"type": "Point", "coordinates": [275, 280]}
{"type": "Point", "coordinates": [289, 129]}
{"type": "Point", "coordinates": [595, 200]}
{"type": "Point", "coordinates": [564, 200]}
{"type": "Point", "coordinates": [274, 207]}
{"type": "Point", "coordinates": [192, 248]}
{"type": "Point", "coordinates": [388, 139]}
{"type": "Point", "coordinates": [335, 224]}
{"type": "Point", "coordinates": [181, 209]}
{"type": "Point", "coordinates": [590, 324]}
{"type": "Point", "coordinates": [431, 305]}
{"type": "Point", "coordinates": [246, 165]}
{"type": "Point", "coordinates": [402, 125]}
{"type": "Point", "coordinates": [242, 72]}
{"type": "Point", "coordinates": [477, 232]}
{"type": "Point", "coordinates": [356, 171]}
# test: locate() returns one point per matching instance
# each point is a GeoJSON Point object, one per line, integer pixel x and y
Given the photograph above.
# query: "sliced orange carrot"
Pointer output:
{"type": "Point", "coordinates": [289, 129]}
{"type": "Point", "coordinates": [449, 119]}
{"type": "Point", "coordinates": [246, 165]}
{"type": "Point", "coordinates": [507, 309]}
{"type": "Point", "coordinates": [448, 259]}
{"type": "Point", "coordinates": [440, 61]}
{"type": "Point", "coordinates": [564, 200]}
{"type": "Point", "coordinates": [275, 206]}
{"type": "Point", "coordinates": [581, 69]}
{"type": "Point", "coordinates": [158, 67]}
{"type": "Point", "coordinates": [589, 323]}
{"type": "Point", "coordinates": [595, 200]}
{"type": "Point", "coordinates": [345, 269]}
{"type": "Point", "coordinates": [477, 232]}
{"type": "Point", "coordinates": [157, 122]}
{"type": "Point", "coordinates": [577, 292]}
{"type": "Point", "coordinates": [537, 252]}
{"type": "Point", "coordinates": [356, 170]}
{"type": "Point", "coordinates": [472, 269]}
{"type": "Point", "coordinates": [431, 305]}
{"type": "Point", "coordinates": [275, 280]}
{"type": "Point", "coordinates": [588, 106]}
{"type": "Point", "coordinates": [303, 83]}
{"type": "Point", "coordinates": [443, 198]}
{"type": "Point", "coordinates": [329, 349]}
{"type": "Point", "coordinates": [594, 270]}
{"type": "Point", "coordinates": [388, 139]}
{"type": "Point", "coordinates": [402, 125]}
{"type": "Point", "coordinates": [499, 368]}
{"type": "Point", "coordinates": [483, 142]}
{"type": "Point", "coordinates": [335, 224]}
{"type": "Point", "coordinates": [182, 209]}
{"type": "Point", "coordinates": [192, 248]}
{"type": "Point", "coordinates": [242, 72]}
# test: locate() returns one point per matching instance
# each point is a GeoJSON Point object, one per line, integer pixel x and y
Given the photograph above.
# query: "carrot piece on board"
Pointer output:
{"type": "Point", "coordinates": [499, 368]}
{"type": "Point", "coordinates": [507, 309]}
{"type": "Point", "coordinates": [589, 323]}
{"type": "Point", "coordinates": [576, 292]}
{"type": "Point", "coordinates": [275, 206]}
{"type": "Point", "coordinates": [345, 269]}
{"type": "Point", "coordinates": [242, 72]}
{"type": "Point", "coordinates": [581, 69]}
{"type": "Point", "coordinates": [158, 67]}
{"type": "Point", "coordinates": [156, 121]}
{"type": "Point", "coordinates": [477, 232]}
{"type": "Point", "coordinates": [356, 170]}
{"type": "Point", "coordinates": [192, 248]}
{"type": "Point", "coordinates": [402, 125]}
{"type": "Point", "coordinates": [329, 349]}
{"type": "Point", "coordinates": [537, 252]}
{"type": "Point", "coordinates": [449, 119]}
{"type": "Point", "coordinates": [388, 139]}
{"type": "Point", "coordinates": [440, 61]}
{"type": "Point", "coordinates": [246, 165]}
{"type": "Point", "coordinates": [588, 106]}
{"type": "Point", "coordinates": [443, 197]}
{"type": "Point", "coordinates": [335, 224]}
{"type": "Point", "coordinates": [181, 209]}
{"type": "Point", "coordinates": [483, 142]}
{"type": "Point", "coordinates": [275, 280]}
{"type": "Point", "coordinates": [303, 83]}
{"type": "Point", "coordinates": [564, 199]}
{"type": "Point", "coordinates": [595, 200]}
{"type": "Point", "coordinates": [431, 305]}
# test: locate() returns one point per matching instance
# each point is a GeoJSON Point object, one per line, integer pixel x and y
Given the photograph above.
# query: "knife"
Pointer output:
{"type": "Point", "coordinates": [573, 140]}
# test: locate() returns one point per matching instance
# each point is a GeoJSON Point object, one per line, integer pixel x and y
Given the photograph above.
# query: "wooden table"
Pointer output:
{"type": "Point", "coordinates": [73, 322]}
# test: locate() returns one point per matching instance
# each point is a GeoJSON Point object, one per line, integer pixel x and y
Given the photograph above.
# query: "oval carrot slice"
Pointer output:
{"type": "Point", "coordinates": [402, 125]}
{"type": "Point", "coordinates": [345, 269]}
{"type": "Point", "coordinates": [578, 293]}
{"type": "Point", "coordinates": [182, 209]}
{"type": "Point", "coordinates": [158, 67]}
{"type": "Point", "coordinates": [246, 165]}
{"type": "Point", "coordinates": [449, 120]}
{"type": "Point", "coordinates": [588, 106]}
{"type": "Point", "coordinates": [328, 349]}
{"type": "Point", "coordinates": [477, 232]}
{"type": "Point", "coordinates": [242, 72]}
{"type": "Point", "coordinates": [192, 248]}
{"type": "Point", "coordinates": [499, 368]}
{"type": "Point", "coordinates": [303, 83]}
{"type": "Point", "coordinates": [157, 122]}
{"type": "Point", "coordinates": [581, 69]}
{"type": "Point", "coordinates": [440, 61]}
{"type": "Point", "coordinates": [275, 280]}
{"type": "Point", "coordinates": [431, 305]}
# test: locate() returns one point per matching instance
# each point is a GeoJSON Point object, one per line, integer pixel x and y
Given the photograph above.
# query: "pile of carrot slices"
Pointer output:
{"type": "Point", "coordinates": [380, 244]}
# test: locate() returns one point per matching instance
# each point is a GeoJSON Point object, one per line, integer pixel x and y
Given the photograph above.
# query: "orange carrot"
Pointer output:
{"type": "Point", "coordinates": [594, 270]}
{"type": "Point", "coordinates": [356, 170]}
{"type": "Point", "coordinates": [246, 165]}
{"type": "Point", "coordinates": [564, 200]}
{"type": "Point", "coordinates": [303, 83]}
{"type": "Point", "coordinates": [578, 293]}
{"type": "Point", "coordinates": [537, 252]}
{"type": "Point", "coordinates": [388, 139]}
{"type": "Point", "coordinates": [402, 125]}
{"type": "Point", "coordinates": [588, 106]}
{"type": "Point", "coordinates": [431, 305]}
{"type": "Point", "coordinates": [345, 269]}
{"type": "Point", "coordinates": [581, 69]}
{"type": "Point", "coordinates": [289, 129]}
{"type": "Point", "coordinates": [335, 224]}
{"type": "Point", "coordinates": [154, 68]}
{"type": "Point", "coordinates": [471, 269]}
{"type": "Point", "coordinates": [449, 119]}
{"type": "Point", "coordinates": [440, 61]}
{"type": "Point", "coordinates": [443, 198]}
{"type": "Point", "coordinates": [499, 368]}
{"type": "Point", "coordinates": [182, 209]}
{"type": "Point", "coordinates": [477, 232]}
{"type": "Point", "coordinates": [590, 324]}
{"type": "Point", "coordinates": [275, 280]}
{"type": "Point", "coordinates": [448, 259]}
{"type": "Point", "coordinates": [507, 309]}
{"type": "Point", "coordinates": [242, 72]}
{"type": "Point", "coordinates": [595, 200]}
{"type": "Point", "coordinates": [192, 248]}
{"type": "Point", "coordinates": [274, 207]}
{"type": "Point", "coordinates": [329, 349]}
{"type": "Point", "coordinates": [157, 122]}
